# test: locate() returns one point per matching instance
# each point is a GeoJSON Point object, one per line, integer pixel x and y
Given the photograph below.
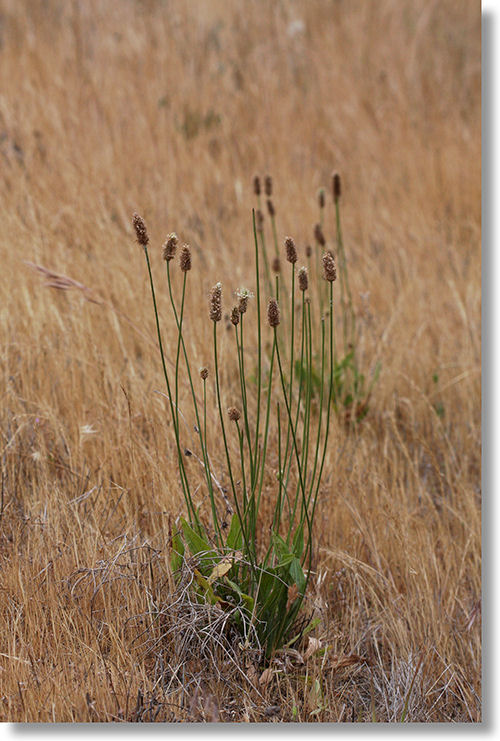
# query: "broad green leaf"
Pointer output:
{"type": "Point", "coordinates": [234, 537]}
{"type": "Point", "coordinates": [206, 586]}
{"type": "Point", "coordinates": [249, 601]}
{"type": "Point", "coordinates": [196, 544]}
{"type": "Point", "coordinates": [298, 541]}
{"type": "Point", "coordinates": [281, 548]}
{"type": "Point", "coordinates": [298, 575]}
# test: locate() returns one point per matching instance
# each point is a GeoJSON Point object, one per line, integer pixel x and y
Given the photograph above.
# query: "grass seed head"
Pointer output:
{"type": "Point", "coordinates": [235, 316]}
{"type": "Point", "coordinates": [273, 313]}
{"type": "Point", "coordinates": [170, 247]}
{"type": "Point", "coordinates": [303, 279]}
{"type": "Point", "coordinates": [256, 185]}
{"type": "Point", "coordinates": [319, 236]}
{"type": "Point", "coordinates": [275, 265]}
{"type": "Point", "coordinates": [321, 197]}
{"type": "Point", "coordinates": [234, 414]}
{"type": "Point", "coordinates": [216, 303]}
{"type": "Point", "coordinates": [291, 252]}
{"type": "Point", "coordinates": [268, 183]}
{"type": "Point", "coordinates": [309, 251]}
{"type": "Point", "coordinates": [259, 220]}
{"type": "Point", "coordinates": [185, 259]}
{"type": "Point", "coordinates": [329, 269]}
{"type": "Point", "coordinates": [140, 230]}
{"type": "Point", "coordinates": [336, 187]}
{"type": "Point", "coordinates": [204, 373]}
{"type": "Point", "coordinates": [270, 208]}
{"type": "Point", "coordinates": [243, 295]}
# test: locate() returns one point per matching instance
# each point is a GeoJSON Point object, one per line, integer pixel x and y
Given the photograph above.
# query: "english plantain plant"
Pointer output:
{"type": "Point", "coordinates": [258, 570]}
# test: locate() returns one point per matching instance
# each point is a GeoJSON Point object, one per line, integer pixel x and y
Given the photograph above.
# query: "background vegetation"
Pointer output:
{"type": "Point", "coordinates": [169, 109]}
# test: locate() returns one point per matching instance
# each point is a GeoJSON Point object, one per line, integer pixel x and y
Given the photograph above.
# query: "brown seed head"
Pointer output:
{"type": "Point", "coordinates": [169, 247]}
{"type": "Point", "coordinates": [140, 230]}
{"type": "Point", "coordinates": [243, 295]}
{"type": "Point", "coordinates": [270, 208]}
{"type": "Point", "coordinates": [336, 187]}
{"type": "Point", "coordinates": [329, 269]}
{"type": "Point", "coordinates": [234, 414]}
{"type": "Point", "coordinates": [268, 184]}
{"type": "Point", "coordinates": [291, 252]}
{"type": "Point", "coordinates": [303, 279]}
{"type": "Point", "coordinates": [204, 373]}
{"type": "Point", "coordinates": [256, 185]}
{"type": "Point", "coordinates": [235, 316]}
{"type": "Point", "coordinates": [185, 259]}
{"type": "Point", "coordinates": [321, 197]}
{"type": "Point", "coordinates": [216, 303]}
{"type": "Point", "coordinates": [273, 313]}
{"type": "Point", "coordinates": [319, 236]}
{"type": "Point", "coordinates": [275, 265]}
{"type": "Point", "coordinates": [259, 220]}
{"type": "Point", "coordinates": [309, 250]}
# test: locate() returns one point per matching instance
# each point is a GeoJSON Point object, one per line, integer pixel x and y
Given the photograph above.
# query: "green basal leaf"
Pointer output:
{"type": "Point", "coordinates": [280, 546]}
{"type": "Point", "coordinates": [298, 575]}
{"type": "Point", "coordinates": [235, 537]}
{"type": "Point", "coordinates": [249, 601]}
{"type": "Point", "coordinates": [197, 545]}
{"type": "Point", "coordinates": [209, 593]}
{"type": "Point", "coordinates": [298, 541]}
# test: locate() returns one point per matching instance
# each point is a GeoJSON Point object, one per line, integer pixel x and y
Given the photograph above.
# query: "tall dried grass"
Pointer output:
{"type": "Point", "coordinates": [107, 108]}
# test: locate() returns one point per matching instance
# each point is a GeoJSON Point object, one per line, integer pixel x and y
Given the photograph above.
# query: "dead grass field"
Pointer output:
{"type": "Point", "coordinates": [169, 109]}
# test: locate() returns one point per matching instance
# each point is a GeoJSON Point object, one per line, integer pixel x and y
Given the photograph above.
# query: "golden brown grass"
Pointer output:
{"type": "Point", "coordinates": [111, 107]}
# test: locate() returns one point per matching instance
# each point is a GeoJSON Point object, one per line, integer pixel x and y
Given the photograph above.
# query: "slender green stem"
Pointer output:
{"type": "Point", "coordinates": [278, 509]}
{"type": "Point", "coordinates": [319, 282]}
{"type": "Point", "coordinates": [259, 337]}
{"type": "Point", "coordinates": [307, 414]}
{"type": "Point", "coordinates": [344, 284]}
{"type": "Point", "coordinates": [320, 415]}
{"type": "Point", "coordinates": [295, 447]}
{"type": "Point", "coordinates": [330, 395]}
{"type": "Point", "coordinates": [347, 310]}
{"type": "Point", "coordinates": [182, 470]}
{"type": "Point", "coordinates": [244, 402]}
{"type": "Point", "coordinates": [206, 464]}
{"type": "Point", "coordinates": [290, 387]}
{"type": "Point", "coordinates": [248, 546]}
{"type": "Point", "coordinates": [266, 261]}
{"type": "Point", "coordinates": [243, 477]}
{"type": "Point", "coordinates": [307, 351]}
{"type": "Point", "coordinates": [297, 415]}
{"type": "Point", "coordinates": [286, 620]}
{"type": "Point", "coordinates": [202, 435]}
{"type": "Point", "coordinates": [262, 461]}
{"type": "Point", "coordinates": [179, 338]}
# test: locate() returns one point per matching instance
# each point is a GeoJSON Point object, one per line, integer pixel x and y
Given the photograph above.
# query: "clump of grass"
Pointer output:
{"type": "Point", "coordinates": [261, 581]}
